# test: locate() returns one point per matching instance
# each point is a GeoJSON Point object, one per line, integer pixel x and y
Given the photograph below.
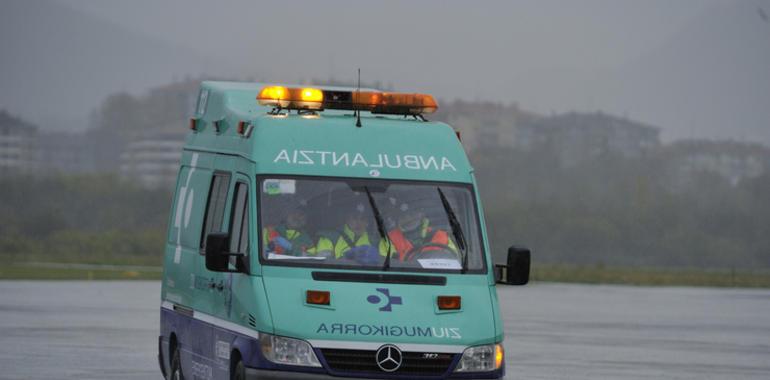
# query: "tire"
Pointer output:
{"type": "Point", "coordinates": [239, 371]}
{"type": "Point", "coordinates": [176, 367]}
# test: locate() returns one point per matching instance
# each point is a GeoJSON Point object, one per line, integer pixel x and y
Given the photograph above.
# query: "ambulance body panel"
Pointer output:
{"type": "Point", "coordinates": [238, 159]}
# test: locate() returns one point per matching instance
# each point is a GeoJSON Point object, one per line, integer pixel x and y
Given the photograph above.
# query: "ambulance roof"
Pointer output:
{"type": "Point", "coordinates": [325, 143]}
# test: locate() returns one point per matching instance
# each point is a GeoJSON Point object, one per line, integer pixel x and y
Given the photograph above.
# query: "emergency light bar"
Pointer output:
{"type": "Point", "coordinates": [313, 99]}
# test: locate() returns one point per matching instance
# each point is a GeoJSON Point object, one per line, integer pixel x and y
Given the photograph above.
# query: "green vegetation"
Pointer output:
{"type": "Point", "coordinates": [605, 221]}
{"type": "Point", "coordinates": [29, 271]}
{"type": "Point", "coordinates": [87, 219]}
{"type": "Point", "coordinates": [622, 212]}
{"type": "Point", "coordinates": [649, 276]}
{"type": "Point", "coordinates": [605, 217]}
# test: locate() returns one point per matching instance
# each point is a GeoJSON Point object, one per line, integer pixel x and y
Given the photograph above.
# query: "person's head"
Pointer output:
{"type": "Point", "coordinates": [297, 217]}
{"type": "Point", "coordinates": [357, 219]}
{"type": "Point", "coordinates": [410, 218]}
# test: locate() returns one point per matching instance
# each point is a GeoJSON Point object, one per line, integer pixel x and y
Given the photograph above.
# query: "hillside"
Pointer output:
{"type": "Point", "coordinates": [48, 48]}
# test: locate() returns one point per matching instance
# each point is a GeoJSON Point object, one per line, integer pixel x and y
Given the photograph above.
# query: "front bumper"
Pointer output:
{"type": "Point", "coordinates": [262, 374]}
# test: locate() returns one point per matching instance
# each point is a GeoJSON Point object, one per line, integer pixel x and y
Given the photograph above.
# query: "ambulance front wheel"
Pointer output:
{"type": "Point", "coordinates": [176, 366]}
{"type": "Point", "coordinates": [239, 371]}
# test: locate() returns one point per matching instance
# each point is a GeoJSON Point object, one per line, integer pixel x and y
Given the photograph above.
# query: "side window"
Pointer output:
{"type": "Point", "coordinates": [203, 98]}
{"type": "Point", "coordinates": [239, 227]}
{"type": "Point", "coordinates": [215, 208]}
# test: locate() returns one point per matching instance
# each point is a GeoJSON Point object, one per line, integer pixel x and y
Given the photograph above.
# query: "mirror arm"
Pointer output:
{"type": "Point", "coordinates": [502, 268]}
{"type": "Point", "coordinates": [241, 265]}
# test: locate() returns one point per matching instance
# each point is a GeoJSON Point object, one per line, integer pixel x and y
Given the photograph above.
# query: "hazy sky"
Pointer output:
{"type": "Point", "coordinates": [463, 49]}
{"type": "Point", "coordinates": [621, 56]}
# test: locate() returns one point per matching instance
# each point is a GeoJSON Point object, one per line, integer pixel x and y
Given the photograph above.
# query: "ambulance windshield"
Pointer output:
{"type": "Point", "coordinates": [331, 223]}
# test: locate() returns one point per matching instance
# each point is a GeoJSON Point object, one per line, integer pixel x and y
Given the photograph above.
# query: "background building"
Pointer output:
{"type": "Point", "coordinates": [152, 159]}
{"type": "Point", "coordinates": [18, 153]}
{"type": "Point", "coordinates": [730, 160]}
{"type": "Point", "coordinates": [576, 137]}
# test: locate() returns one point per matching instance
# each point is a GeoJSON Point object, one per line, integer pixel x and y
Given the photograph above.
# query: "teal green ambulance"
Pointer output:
{"type": "Point", "coordinates": [327, 232]}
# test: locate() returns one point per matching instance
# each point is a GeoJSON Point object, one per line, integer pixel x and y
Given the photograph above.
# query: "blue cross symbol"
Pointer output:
{"type": "Point", "coordinates": [392, 300]}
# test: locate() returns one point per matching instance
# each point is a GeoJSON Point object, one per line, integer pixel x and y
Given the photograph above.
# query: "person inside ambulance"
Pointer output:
{"type": "Point", "coordinates": [353, 241]}
{"type": "Point", "coordinates": [290, 237]}
{"type": "Point", "coordinates": [414, 236]}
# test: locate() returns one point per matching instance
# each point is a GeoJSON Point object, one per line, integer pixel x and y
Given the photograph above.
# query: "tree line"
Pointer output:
{"type": "Point", "coordinates": [606, 210]}
{"type": "Point", "coordinates": [618, 211]}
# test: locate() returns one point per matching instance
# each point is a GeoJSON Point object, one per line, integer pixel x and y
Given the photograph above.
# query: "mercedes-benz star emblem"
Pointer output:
{"type": "Point", "coordinates": [389, 358]}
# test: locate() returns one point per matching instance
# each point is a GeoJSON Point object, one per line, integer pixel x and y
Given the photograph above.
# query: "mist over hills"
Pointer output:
{"type": "Point", "coordinates": [706, 79]}
{"type": "Point", "coordinates": [57, 64]}
{"type": "Point", "coordinates": [710, 79]}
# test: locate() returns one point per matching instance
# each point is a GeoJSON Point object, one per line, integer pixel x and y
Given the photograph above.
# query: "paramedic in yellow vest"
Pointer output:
{"type": "Point", "coordinates": [290, 237]}
{"type": "Point", "coordinates": [354, 235]}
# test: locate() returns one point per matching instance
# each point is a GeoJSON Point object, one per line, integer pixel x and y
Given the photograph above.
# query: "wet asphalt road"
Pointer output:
{"type": "Point", "coordinates": [108, 330]}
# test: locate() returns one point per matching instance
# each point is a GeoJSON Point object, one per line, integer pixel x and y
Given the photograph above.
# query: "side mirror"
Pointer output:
{"type": "Point", "coordinates": [516, 270]}
{"type": "Point", "coordinates": [218, 254]}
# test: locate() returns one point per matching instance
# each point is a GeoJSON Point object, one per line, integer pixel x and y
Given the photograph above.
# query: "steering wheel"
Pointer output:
{"type": "Point", "coordinates": [418, 251]}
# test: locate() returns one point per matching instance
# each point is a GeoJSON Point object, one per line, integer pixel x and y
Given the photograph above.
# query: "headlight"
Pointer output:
{"type": "Point", "coordinates": [289, 351]}
{"type": "Point", "coordinates": [481, 358]}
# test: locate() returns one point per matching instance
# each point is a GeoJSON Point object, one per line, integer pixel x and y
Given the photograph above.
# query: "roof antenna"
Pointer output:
{"type": "Point", "coordinates": [358, 100]}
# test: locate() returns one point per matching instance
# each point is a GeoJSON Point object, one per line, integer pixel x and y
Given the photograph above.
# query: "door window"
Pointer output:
{"type": "Point", "coordinates": [215, 208]}
{"type": "Point", "coordinates": [239, 230]}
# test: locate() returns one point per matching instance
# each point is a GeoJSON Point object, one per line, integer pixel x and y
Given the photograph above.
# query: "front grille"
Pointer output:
{"type": "Point", "coordinates": [413, 363]}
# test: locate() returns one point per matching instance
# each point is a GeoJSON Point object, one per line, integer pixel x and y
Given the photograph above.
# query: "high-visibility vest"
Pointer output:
{"type": "Point", "coordinates": [337, 243]}
{"type": "Point", "coordinates": [301, 243]}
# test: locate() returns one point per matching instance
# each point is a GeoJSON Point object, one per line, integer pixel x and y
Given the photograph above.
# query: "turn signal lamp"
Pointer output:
{"type": "Point", "coordinates": [318, 297]}
{"type": "Point", "coordinates": [499, 355]}
{"type": "Point", "coordinates": [393, 103]}
{"type": "Point", "coordinates": [449, 302]}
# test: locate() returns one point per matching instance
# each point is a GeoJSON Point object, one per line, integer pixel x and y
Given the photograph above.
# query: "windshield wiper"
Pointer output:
{"type": "Point", "coordinates": [380, 227]}
{"type": "Point", "coordinates": [457, 231]}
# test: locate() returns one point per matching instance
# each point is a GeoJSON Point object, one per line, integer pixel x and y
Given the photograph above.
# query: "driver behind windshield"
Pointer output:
{"type": "Point", "coordinates": [414, 234]}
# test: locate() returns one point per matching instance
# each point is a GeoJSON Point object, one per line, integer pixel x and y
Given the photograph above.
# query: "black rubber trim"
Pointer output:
{"type": "Point", "coordinates": [262, 374]}
{"type": "Point", "coordinates": [184, 310]}
{"type": "Point", "coordinates": [380, 278]}
{"type": "Point", "coordinates": [160, 357]}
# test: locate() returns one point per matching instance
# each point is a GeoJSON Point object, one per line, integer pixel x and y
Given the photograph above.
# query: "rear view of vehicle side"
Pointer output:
{"type": "Point", "coordinates": [328, 233]}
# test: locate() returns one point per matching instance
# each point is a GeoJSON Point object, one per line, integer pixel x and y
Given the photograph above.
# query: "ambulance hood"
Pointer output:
{"type": "Point", "coordinates": [378, 312]}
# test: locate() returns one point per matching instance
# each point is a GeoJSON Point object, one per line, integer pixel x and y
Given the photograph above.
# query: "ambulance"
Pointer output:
{"type": "Point", "coordinates": [328, 232]}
